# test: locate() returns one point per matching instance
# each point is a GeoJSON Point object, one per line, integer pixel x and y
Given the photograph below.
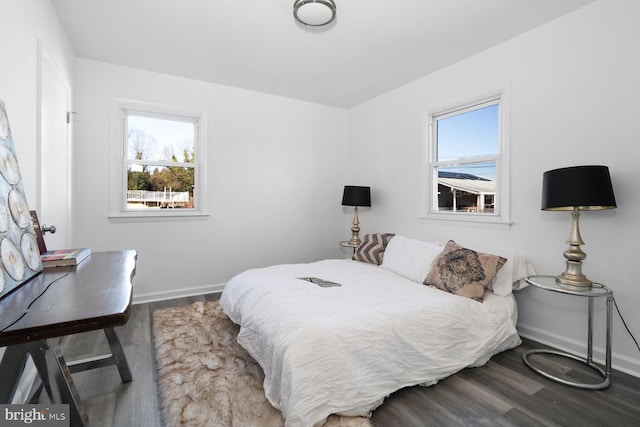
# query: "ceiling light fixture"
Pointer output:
{"type": "Point", "coordinates": [314, 13]}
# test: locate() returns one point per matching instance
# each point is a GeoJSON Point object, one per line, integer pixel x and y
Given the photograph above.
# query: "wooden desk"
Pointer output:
{"type": "Point", "coordinates": [95, 294]}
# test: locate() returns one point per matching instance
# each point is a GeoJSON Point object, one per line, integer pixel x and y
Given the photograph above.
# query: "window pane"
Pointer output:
{"type": "Point", "coordinates": [158, 139]}
{"type": "Point", "coordinates": [473, 133]}
{"type": "Point", "coordinates": [467, 188]}
{"type": "Point", "coordinates": [153, 187]}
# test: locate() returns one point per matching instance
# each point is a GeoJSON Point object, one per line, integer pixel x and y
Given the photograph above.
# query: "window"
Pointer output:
{"type": "Point", "coordinates": [468, 162]}
{"type": "Point", "coordinates": [160, 162]}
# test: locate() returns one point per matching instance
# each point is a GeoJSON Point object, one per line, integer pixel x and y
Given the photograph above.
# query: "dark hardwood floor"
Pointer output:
{"type": "Point", "coordinates": [504, 392]}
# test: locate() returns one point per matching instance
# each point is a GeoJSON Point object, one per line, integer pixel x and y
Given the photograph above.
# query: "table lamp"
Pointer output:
{"type": "Point", "coordinates": [356, 196]}
{"type": "Point", "coordinates": [575, 189]}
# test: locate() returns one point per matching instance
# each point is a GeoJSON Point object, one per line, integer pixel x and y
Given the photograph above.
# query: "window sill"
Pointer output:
{"type": "Point", "coordinates": [468, 220]}
{"type": "Point", "coordinates": [171, 215]}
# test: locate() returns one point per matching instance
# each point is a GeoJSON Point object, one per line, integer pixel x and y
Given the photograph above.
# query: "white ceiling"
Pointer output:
{"type": "Point", "coordinates": [372, 47]}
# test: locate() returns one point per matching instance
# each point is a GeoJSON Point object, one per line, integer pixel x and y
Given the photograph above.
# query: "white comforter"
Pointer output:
{"type": "Point", "coordinates": [327, 350]}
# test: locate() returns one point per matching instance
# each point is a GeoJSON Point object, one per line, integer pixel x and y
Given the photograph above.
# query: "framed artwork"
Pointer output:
{"type": "Point", "coordinates": [19, 253]}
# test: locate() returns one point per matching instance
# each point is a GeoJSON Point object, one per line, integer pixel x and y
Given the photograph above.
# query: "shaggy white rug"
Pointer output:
{"type": "Point", "coordinates": [206, 379]}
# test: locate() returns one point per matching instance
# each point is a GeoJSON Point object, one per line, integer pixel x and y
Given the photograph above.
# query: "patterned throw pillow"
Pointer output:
{"type": "Point", "coordinates": [464, 272]}
{"type": "Point", "coordinates": [372, 247]}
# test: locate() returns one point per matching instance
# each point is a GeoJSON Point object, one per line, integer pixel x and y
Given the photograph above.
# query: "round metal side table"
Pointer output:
{"type": "Point", "coordinates": [346, 244]}
{"type": "Point", "coordinates": [597, 290]}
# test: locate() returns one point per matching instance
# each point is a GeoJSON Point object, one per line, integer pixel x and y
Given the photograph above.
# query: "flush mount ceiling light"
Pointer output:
{"type": "Point", "coordinates": [314, 13]}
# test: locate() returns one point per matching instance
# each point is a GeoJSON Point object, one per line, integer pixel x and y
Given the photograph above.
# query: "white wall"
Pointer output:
{"type": "Point", "coordinates": [28, 27]}
{"type": "Point", "coordinates": [277, 166]}
{"type": "Point", "coordinates": [574, 88]}
{"type": "Point", "coordinates": [23, 25]}
{"type": "Point", "coordinates": [275, 177]}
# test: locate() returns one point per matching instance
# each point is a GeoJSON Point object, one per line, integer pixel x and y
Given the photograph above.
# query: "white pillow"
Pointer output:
{"type": "Point", "coordinates": [515, 269]}
{"type": "Point", "coordinates": [410, 258]}
{"type": "Point", "coordinates": [520, 270]}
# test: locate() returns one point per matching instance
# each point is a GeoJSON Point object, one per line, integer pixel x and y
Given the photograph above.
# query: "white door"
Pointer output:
{"type": "Point", "coordinates": [54, 204]}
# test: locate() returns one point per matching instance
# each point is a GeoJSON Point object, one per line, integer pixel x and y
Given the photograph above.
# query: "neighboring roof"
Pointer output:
{"type": "Point", "coordinates": [460, 175]}
{"type": "Point", "coordinates": [474, 186]}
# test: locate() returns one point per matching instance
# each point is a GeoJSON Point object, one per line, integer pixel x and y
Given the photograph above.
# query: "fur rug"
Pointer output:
{"type": "Point", "coordinates": [206, 379]}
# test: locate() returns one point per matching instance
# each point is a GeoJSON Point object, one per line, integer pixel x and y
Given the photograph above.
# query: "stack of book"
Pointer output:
{"type": "Point", "coordinates": [64, 257]}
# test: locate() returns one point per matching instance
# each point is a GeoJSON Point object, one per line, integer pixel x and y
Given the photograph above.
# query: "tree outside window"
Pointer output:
{"type": "Point", "coordinates": [160, 161]}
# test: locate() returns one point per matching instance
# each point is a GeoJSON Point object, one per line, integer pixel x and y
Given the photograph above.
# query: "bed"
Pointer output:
{"type": "Point", "coordinates": [338, 336]}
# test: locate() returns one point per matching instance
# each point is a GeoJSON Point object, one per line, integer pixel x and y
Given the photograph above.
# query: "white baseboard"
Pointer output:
{"type": "Point", "coordinates": [176, 293]}
{"type": "Point", "coordinates": [579, 348]}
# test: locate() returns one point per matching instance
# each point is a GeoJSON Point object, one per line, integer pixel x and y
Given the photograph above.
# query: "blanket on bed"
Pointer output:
{"type": "Point", "coordinates": [343, 349]}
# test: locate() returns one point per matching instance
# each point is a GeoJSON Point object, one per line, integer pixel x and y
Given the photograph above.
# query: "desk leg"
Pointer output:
{"type": "Point", "coordinates": [38, 355]}
{"type": "Point", "coordinates": [118, 355]}
{"type": "Point", "coordinates": [53, 371]}
{"type": "Point", "coordinates": [12, 366]}
{"type": "Point", "coordinates": [56, 375]}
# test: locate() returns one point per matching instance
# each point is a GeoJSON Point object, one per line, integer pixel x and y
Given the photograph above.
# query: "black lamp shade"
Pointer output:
{"type": "Point", "coordinates": [356, 196]}
{"type": "Point", "coordinates": [586, 187]}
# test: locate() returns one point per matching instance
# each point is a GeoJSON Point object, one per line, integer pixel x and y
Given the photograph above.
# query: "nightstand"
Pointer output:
{"type": "Point", "coordinates": [548, 283]}
{"type": "Point", "coordinates": [346, 244]}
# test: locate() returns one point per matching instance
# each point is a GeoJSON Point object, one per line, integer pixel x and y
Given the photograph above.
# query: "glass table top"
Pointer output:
{"type": "Point", "coordinates": [549, 283]}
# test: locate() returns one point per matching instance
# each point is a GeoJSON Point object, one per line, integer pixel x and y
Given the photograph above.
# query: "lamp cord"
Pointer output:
{"type": "Point", "coordinates": [32, 302]}
{"type": "Point", "coordinates": [625, 323]}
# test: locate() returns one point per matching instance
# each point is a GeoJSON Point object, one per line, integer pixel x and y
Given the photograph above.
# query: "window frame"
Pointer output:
{"type": "Point", "coordinates": [501, 215]}
{"type": "Point", "coordinates": [120, 161]}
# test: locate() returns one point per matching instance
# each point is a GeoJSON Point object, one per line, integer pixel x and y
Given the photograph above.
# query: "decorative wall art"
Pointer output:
{"type": "Point", "coordinates": [19, 253]}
